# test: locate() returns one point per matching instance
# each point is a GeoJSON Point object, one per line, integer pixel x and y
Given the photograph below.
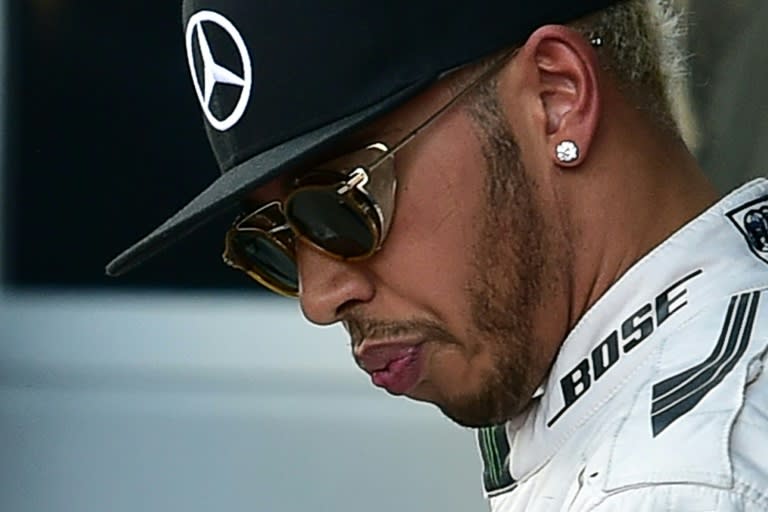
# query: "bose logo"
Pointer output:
{"type": "Point", "coordinates": [633, 331]}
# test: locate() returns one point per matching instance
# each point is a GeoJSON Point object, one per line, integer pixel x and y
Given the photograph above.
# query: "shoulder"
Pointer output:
{"type": "Point", "coordinates": [703, 367]}
{"type": "Point", "coordinates": [697, 429]}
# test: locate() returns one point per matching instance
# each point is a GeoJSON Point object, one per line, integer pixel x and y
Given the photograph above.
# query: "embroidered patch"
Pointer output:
{"type": "Point", "coordinates": [751, 220]}
{"type": "Point", "coordinates": [208, 75]}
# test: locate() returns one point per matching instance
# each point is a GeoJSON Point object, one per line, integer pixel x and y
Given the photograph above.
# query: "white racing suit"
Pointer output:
{"type": "Point", "coordinates": [658, 399]}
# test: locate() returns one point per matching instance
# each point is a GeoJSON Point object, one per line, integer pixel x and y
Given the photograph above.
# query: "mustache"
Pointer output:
{"type": "Point", "coordinates": [360, 329]}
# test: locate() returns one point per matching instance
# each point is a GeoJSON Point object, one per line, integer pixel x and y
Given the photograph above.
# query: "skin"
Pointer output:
{"type": "Point", "coordinates": [496, 248]}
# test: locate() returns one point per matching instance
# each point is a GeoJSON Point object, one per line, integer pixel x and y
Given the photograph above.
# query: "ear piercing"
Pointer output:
{"type": "Point", "coordinates": [567, 152]}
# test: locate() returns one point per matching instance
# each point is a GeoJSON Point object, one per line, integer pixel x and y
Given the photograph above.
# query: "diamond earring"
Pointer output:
{"type": "Point", "coordinates": [567, 152]}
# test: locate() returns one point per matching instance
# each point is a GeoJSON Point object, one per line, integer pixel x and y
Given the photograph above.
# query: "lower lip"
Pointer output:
{"type": "Point", "coordinates": [401, 375]}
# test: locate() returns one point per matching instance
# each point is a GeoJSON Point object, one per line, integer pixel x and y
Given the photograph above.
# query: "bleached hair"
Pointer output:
{"type": "Point", "coordinates": [642, 44]}
{"type": "Point", "coordinates": [643, 47]}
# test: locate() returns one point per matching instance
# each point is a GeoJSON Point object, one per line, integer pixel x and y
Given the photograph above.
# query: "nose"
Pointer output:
{"type": "Point", "coordinates": [328, 286]}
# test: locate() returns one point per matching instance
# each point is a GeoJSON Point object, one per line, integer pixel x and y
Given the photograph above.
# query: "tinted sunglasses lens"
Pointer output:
{"type": "Point", "coordinates": [262, 256]}
{"type": "Point", "coordinates": [326, 219]}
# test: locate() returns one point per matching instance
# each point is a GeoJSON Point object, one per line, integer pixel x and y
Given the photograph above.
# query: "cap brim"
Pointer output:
{"type": "Point", "coordinates": [227, 190]}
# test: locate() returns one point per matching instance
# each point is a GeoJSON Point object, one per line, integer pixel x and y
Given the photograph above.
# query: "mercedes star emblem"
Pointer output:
{"type": "Point", "coordinates": [214, 73]}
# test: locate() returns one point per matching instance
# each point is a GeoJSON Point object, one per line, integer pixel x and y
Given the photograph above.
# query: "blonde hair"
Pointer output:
{"type": "Point", "coordinates": [641, 43]}
{"type": "Point", "coordinates": [643, 48]}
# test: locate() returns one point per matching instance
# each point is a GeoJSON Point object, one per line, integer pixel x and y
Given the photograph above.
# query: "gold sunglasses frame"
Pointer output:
{"type": "Point", "coordinates": [278, 233]}
{"type": "Point", "coordinates": [370, 195]}
{"type": "Point", "coordinates": [380, 199]}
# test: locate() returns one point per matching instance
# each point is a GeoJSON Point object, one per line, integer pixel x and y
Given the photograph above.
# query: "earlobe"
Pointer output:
{"type": "Point", "coordinates": [567, 73]}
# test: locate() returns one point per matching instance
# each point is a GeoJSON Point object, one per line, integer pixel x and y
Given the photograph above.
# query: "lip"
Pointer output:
{"type": "Point", "coordinates": [394, 366]}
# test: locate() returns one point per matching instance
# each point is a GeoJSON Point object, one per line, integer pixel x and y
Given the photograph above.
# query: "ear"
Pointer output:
{"type": "Point", "coordinates": [566, 77]}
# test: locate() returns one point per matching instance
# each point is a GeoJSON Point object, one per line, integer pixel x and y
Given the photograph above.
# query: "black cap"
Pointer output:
{"type": "Point", "coordinates": [280, 82]}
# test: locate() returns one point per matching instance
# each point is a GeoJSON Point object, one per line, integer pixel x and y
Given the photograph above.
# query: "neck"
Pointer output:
{"type": "Point", "coordinates": [627, 202]}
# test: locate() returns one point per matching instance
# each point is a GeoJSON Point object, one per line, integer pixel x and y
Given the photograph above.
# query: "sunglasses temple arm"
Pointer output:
{"type": "Point", "coordinates": [408, 138]}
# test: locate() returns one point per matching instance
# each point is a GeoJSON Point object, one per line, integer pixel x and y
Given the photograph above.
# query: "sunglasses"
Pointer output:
{"type": "Point", "coordinates": [344, 210]}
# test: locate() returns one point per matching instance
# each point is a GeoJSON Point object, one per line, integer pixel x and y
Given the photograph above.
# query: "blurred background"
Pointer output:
{"type": "Point", "coordinates": [181, 386]}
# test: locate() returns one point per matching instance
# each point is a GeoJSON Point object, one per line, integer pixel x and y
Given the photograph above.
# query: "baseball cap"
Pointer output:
{"type": "Point", "coordinates": [282, 82]}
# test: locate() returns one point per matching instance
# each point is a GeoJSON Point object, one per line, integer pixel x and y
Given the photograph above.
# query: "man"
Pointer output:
{"type": "Point", "coordinates": [495, 201]}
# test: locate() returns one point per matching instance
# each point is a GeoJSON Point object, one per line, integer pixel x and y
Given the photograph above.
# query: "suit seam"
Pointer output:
{"type": "Point", "coordinates": [741, 489]}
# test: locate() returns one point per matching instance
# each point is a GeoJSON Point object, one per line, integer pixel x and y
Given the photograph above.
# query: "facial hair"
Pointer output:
{"type": "Point", "coordinates": [508, 283]}
{"type": "Point", "coordinates": [512, 263]}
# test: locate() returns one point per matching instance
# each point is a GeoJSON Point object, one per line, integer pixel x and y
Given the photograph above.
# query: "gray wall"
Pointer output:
{"type": "Point", "coordinates": [163, 403]}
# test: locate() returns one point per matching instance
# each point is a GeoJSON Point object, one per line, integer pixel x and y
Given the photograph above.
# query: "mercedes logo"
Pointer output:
{"type": "Point", "coordinates": [214, 73]}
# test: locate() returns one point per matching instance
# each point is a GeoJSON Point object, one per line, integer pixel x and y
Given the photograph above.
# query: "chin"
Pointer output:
{"type": "Point", "coordinates": [481, 410]}
{"type": "Point", "coordinates": [468, 421]}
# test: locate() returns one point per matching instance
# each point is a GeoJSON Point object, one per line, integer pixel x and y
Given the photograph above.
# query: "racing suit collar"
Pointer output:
{"type": "Point", "coordinates": [617, 337]}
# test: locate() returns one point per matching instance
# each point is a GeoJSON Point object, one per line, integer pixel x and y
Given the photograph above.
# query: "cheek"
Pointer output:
{"type": "Point", "coordinates": [435, 229]}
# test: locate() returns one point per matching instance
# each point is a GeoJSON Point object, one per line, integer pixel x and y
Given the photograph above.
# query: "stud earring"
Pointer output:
{"type": "Point", "coordinates": [567, 152]}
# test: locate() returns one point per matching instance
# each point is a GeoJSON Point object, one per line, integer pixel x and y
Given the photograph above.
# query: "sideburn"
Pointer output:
{"type": "Point", "coordinates": [510, 260]}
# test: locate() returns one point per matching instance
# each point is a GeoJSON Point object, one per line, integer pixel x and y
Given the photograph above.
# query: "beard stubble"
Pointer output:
{"type": "Point", "coordinates": [509, 285]}
{"type": "Point", "coordinates": [512, 261]}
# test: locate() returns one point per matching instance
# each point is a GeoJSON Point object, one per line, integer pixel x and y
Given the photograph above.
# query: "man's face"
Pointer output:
{"type": "Point", "coordinates": [446, 311]}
